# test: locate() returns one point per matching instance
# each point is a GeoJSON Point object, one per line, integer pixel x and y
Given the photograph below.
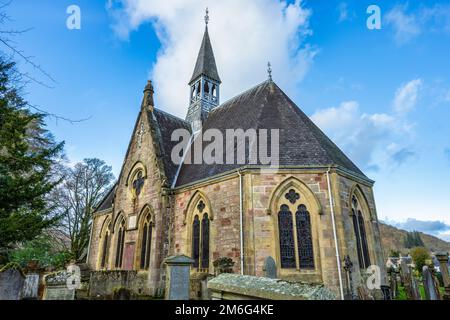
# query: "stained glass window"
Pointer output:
{"type": "Point", "coordinates": [360, 234]}
{"type": "Point", "coordinates": [286, 234]}
{"type": "Point", "coordinates": [358, 237]}
{"type": "Point", "coordinates": [201, 206]}
{"type": "Point", "coordinates": [196, 241]}
{"type": "Point", "coordinates": [146, 243]}
{"type": "Point", "coordinates": [120, 244]}
{"type": "Point", "coordinates": [138, 183]}
{"type": "Point", "coordinates": [304, 238]}
{"type": "Point", "coordinates": [205, 242]}
{"type": "Point", "coordinates": [292, 196]}
{"type": "Point", "coordinates": [365, 248]}
{"type": "Point", "coordinates": [104, 249]}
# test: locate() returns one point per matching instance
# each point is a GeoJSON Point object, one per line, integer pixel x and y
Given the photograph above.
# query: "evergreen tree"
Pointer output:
{"type": "Point", "coordinates": [28, 153]}
{"type": "Point", "coordinates": [413, 240]}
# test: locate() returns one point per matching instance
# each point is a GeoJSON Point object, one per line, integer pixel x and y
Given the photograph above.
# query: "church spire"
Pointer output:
{"type": "Point", "coordinates": [206, 63]}
{"type": "Point", "coordinates": [205, 83]}
{"type": "Point", "coordinates": [207, 17]}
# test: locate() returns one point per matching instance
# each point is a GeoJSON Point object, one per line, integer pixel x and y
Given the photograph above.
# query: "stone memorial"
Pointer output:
{"type": "Point", "coordinates": [178, 277]}
{"type": "Point", "coordinates": [414, 288]}
{"type": "Point", "coordinates": [270, 268]}
{"type": "Point", "coordinates": [393, 287]}
{"type": "Point", "coordinates": [229, 286]}
{"type": "Point", "coordinates": [443, 267]}
{"type": "Point", "coordinates": [11, 284]}
{"type": "Point", "coordinates": [386, 291]}
{"type": "Point", "coordinates": [429, 285]}
{"type": "Point", "coordinates": [56, 287]}
{"type": "Point", "coordinates": [348, 268]}
{"type": "Point", "coordinates": [31, 287]}
{"type": "Point", "coordinates": [406, 278]}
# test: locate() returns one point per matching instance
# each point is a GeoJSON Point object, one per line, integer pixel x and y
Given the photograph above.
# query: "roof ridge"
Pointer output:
{"type": "Point", "coordinates": [170, 115]}
{"type": "Point", "coordinates": [233, 99]}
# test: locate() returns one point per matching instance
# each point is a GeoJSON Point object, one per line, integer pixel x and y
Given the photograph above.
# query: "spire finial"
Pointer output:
{"type": "Point", "coordinates": [207, 16]}
{"type": "Point", "coordinates": [269, 70]}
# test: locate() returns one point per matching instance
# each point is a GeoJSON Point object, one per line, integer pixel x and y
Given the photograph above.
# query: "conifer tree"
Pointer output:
{"type": "Point", "coordinates": [28, 154]}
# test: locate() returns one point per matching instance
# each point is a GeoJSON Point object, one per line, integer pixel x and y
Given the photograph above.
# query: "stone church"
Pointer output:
{"type": "Point", "coordinates": [315, 210]}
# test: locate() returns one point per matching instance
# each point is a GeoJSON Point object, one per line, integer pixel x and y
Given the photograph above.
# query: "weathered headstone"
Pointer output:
{"type": "Point", "coordinates": [443, 260]}
{"type": "Point", "coordinates": [348, 268]}
{"type": "Point", "coordinates": [409, 282]}
{"type": "Point", "coordinates": [386, 291]}
{"type": "Point", "coordinates": [429, 284]}
{"type": "Point", "coordinates": [392, 274]}
{"type": "Point", "coordinates": [31, 287]}
{"type": "Point", "coordinates": [406, 279]}
{"type": "Point", "coordinates": [415, 288]}
{"type": "Point", "coordinates": [56, 287]}
{"type": "Point", "coordinates": [178, 277]}
{"type": "Point", "coordinates": [270, 268]}
{"type": "Point", "coordinates": [11, 284]}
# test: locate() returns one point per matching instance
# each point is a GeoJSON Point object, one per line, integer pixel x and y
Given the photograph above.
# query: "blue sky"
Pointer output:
{"type": "Point", "coordinates": [382, 95]}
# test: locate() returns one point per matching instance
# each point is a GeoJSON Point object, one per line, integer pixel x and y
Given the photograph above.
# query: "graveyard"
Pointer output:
{"type": "Point", "coordinates": [77, 282]}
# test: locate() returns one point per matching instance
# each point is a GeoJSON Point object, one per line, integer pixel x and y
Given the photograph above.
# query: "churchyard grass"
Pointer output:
{"type": "Point", "coordinates": [402, 292]}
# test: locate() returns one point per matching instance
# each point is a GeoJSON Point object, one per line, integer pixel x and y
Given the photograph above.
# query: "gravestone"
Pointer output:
{"type": "Point", "coordinates": [409, 282]}
{"type": "Point", "coordinates": [270, 268]}
{"type": "Point", "coordinates": [348, 268]}
{"type": "Point", "coordinates": [11, 284]}
{"type": "Point", "coordinates": [393, 288]}
{"type": "Point", "coordinates": [386, 291]}
{"type": "Point", "coordinates": [415, 288]}
{"type": "Point", "coordinates": [31, 287]}
{"type": "Point", "coordinates": [406, 279]}
{"type": "Point", "coordinates": [56, 287]}
{"type": "Point", "coordinates": [429, 285]}
{"type": "Point", "coordinates": [178, 277]}
{"type": "Point", "coordinates": [443, 260]}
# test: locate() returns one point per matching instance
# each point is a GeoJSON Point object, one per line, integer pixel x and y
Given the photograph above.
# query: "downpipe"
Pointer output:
{"type": "Point", "coordinates": [333, 221]}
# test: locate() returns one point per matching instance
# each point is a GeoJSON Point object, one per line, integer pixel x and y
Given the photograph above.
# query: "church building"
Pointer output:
{"type": "Point", "coordinates": [315, 210]}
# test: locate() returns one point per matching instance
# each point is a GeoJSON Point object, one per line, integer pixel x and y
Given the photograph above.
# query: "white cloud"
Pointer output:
{"type": "Point", "coordinates": [373, 141]}
{"type": "Point", "coordinates": [358, 134]}
{"type": "Point", "coordinates": [405, 26]}
{"type": "Point", "coordinates": [409, 25]}
{"type": "Point", "coordinates": [244, 35]}
{"type": "Point", "coordinates": [343, 12]}
{"type": "Point", "coordinates": [406, 96]}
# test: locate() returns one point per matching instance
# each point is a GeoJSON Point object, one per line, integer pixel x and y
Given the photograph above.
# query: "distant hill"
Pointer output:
{"type": "Point", "coordinates": [394, 239]}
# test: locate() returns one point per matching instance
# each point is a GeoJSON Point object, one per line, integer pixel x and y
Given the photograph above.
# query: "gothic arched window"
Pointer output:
{"type": "Point", "coordinates": [120, 244]}
{"type": "Point", "coordinates": [287, 246]}
{"type": "Point", "coordinates": [146, 242]}
{"type": "Point", "coordinates": [196, 241]}
{"type": "Point", "coordinates": [138, 183]}
{"type": "Point", "coordinates": [206, 88]}
{"type": "Point", "coordinates": [201, 236]}
{"type": "Point", "coordinates": [295, 232]}
{"type": "Point", "coordinates": [304, 236]}
{"type": "Point", "coordinates": [104, 245]}
{"type": "Point", "coordinates": [205, 242]}
{"type": "Point", "coordinates": [360, 234]}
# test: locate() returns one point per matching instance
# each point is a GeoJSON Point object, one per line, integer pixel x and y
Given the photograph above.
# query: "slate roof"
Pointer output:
{"type": "Point", "coordinates": [266, 106]}
{"type": "Point", "coordinates": [166, 125]}
{"type": "Point", "coordinates": [206, 63]}
{"type": "Point", "coordinates": [107, 201]}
